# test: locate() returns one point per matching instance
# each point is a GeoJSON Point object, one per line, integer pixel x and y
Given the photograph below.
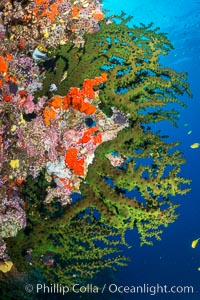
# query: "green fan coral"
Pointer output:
{"type": "Point", "coordinates": [152, 172]}
{"type": "Point", "coordinates": [140, 87]}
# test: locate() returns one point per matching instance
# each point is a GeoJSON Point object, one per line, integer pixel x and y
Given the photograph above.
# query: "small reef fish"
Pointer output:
{"type": "Point", "coordinates": [194, 243]}
{"type": "Point", "coordinates": [195, 145]}
{"type": "Point", "coordinates": [186, 124]}
{"type": "Point", "coordinates": [64, 76]}
{"type": "Point", "coordinates": [189, 132]}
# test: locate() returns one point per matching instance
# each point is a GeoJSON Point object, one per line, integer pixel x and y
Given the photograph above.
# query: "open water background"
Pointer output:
{"type": "Point", "coordinates": [172, 261]}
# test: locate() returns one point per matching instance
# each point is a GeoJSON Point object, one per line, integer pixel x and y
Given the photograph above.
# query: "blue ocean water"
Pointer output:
{"type": "Point", "coordinates": [172, 261]}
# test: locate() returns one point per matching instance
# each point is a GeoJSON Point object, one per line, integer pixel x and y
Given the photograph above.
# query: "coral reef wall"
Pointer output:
{"type": "Point", "coordinates": [78, 95]}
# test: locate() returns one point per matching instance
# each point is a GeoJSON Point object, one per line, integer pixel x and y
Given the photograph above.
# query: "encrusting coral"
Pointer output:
{"type": "Point", "coordinates": [81, 124]}
{"type": "Point", "coordinates": [50, 23]}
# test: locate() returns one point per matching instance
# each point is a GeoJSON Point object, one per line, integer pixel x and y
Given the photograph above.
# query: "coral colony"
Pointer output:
{"type": "Point", "coordinates": [78, 94]}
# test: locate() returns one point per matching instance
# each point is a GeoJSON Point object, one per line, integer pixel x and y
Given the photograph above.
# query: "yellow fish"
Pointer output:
{"type": "Point", "coordinates": [194, 243]}
{"type": "Point", "coordinates": [195, 145]}
{"type": "Point", "coordinates": [64, 76]}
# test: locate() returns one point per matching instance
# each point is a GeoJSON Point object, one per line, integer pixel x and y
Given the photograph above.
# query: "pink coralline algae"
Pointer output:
{"type": "Point", "coordinates": [76, 147]}
{"type": "Point", "coordinates": [3, 253]}
{"type": "Point", "coordinates": [115, 160]}
{"type": "Point", "coordinates": [12, 214]}
{"type": "Point", "coordinates": [12, 217]}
